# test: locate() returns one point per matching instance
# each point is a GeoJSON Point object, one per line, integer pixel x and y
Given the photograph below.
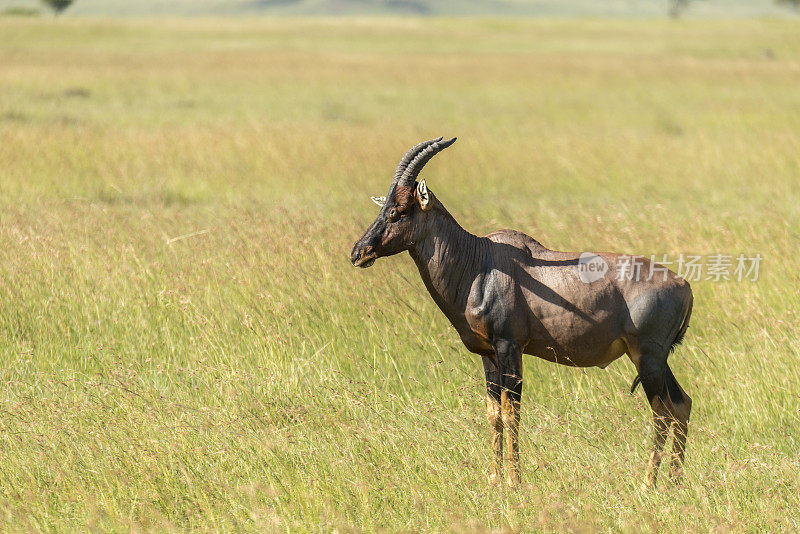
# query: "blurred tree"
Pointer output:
{"type": "Point", "coordinates": [57, 5]}
{"type": "Point", "coordinates": [677, 7]}
{"type": "Point", "coordinates": [795, 4]}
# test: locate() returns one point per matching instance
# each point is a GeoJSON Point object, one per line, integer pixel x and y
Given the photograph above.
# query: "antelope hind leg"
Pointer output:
{"type": "Point", "coordinates": [680, 409]}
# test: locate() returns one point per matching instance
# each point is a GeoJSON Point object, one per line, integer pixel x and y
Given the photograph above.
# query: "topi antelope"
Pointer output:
{"type": "Point", "coordinates": [507, 295]}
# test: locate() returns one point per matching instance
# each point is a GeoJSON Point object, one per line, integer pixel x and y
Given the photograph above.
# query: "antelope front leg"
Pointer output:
{"type": "Point", "coordinates": [494, 415]}
{"type": "Point", "coordinates": [510, 410]}
{"type": "Point", "coordinates": [509, 357]}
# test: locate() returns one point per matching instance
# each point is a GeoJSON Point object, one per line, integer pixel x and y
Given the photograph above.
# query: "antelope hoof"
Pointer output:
{"type": "Point", "coordinates": [676, 475]}
{"type": "Point", "coordinates": [513, 480]}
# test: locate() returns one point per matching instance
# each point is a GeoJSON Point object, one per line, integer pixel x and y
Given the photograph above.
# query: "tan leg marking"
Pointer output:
{"type": "Point", "coordinates": [680, 430]}
{"type": "Point", "coordinates": [493, 414]}
{"type": "Point", "coordinates": [661, 421]}
{"type": "Point", "coordinates": [510, 410]}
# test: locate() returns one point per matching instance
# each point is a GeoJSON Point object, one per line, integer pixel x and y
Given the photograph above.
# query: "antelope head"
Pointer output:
{"type": "Point", "coordinates": [402, 217]}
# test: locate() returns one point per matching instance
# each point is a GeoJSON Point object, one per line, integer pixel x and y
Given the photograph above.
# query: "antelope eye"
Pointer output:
{"type": "Point", "coordinates": [392, 215]}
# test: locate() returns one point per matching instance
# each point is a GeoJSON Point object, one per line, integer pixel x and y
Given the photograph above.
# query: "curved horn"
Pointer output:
{"type": "Point", "coordinates": [411, 172]}
{"type": "Point", "coordinates": [410, 155]}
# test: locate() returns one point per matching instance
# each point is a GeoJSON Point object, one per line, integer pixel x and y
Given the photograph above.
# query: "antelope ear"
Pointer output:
{"type": "Point", "coordinates": [423, 196]}
{"type": "Point", "coordinates": [380, 201]}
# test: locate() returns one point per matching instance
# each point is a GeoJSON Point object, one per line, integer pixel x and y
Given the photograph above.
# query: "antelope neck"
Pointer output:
{"type": "Point", "coordinates": [449, 259]}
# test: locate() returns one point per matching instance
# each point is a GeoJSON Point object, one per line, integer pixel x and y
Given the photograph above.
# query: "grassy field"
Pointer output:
{"type": "Point", "coordinates": [185, 345]}
{"type": "Point", "coordinates": [537, 8]}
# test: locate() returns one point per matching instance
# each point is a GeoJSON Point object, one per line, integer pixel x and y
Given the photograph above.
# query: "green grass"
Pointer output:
{"type": "Point", "coordinates": [185, 345]}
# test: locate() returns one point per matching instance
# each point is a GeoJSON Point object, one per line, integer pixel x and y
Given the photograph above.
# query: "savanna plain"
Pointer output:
{"type": "Point", "coordinates": [184, 344]}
